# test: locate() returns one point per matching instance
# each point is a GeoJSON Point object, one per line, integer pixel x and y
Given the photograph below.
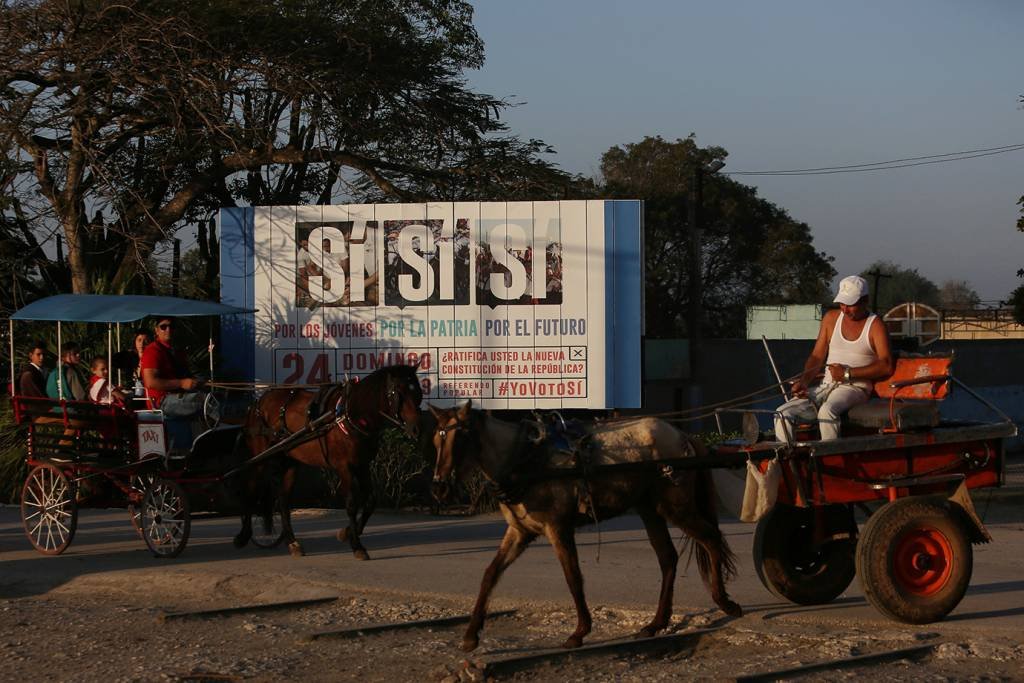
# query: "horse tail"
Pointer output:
{"type": "Point", "coordinates": [707, 508]}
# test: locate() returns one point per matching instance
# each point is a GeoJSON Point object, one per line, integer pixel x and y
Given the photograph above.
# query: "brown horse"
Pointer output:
{"type": "Point", "coordinates": [541, 500]}
{"type": "Point", "coordinates": [349, 420]}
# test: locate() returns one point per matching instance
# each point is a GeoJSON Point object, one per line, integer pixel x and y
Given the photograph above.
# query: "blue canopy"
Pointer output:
{"type": "Point", "coordinates": [118, 308]}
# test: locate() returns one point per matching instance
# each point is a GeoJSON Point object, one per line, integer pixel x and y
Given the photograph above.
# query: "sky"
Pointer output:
{"type": "Point", "coordinates": [791, 85]}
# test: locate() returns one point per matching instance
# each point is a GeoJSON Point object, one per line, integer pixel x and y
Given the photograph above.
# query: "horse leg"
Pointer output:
{"type": "Point", "coordinates": [284, 505]}
{"type": "Point", "coordinates": [356, 500]}
{"type": "Point", "coordinates": [563, 540]}
{"type": "Point", "coordinates": [668, 560]}
{"type": "Point", "coordinates": [243, 536]}
{"type": "Point", "coordinates": [512, 546]}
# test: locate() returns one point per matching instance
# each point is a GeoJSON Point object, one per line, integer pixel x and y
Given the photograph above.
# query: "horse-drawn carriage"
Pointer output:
{"type": "Point", "coordinates": [913, 555]}
{"type": "Point", "coordinates": [81, 453]}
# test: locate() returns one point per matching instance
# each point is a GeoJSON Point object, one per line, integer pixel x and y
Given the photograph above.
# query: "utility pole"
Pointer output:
{"type": "Point", "coordinates": [876, 275]}
{"type": "Point", "coordinates": [695, 319]}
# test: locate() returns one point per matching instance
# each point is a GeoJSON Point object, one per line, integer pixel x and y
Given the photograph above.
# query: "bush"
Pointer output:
{"type": "Point", "coordinates": [12, 455]}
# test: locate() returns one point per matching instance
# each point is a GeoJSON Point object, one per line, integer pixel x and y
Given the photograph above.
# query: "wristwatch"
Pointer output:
{"type": "Point", "coordinates": [846, 375]}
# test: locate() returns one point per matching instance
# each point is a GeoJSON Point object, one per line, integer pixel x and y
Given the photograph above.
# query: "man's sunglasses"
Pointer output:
{"type": "Point", "coordinates": [165, 326]}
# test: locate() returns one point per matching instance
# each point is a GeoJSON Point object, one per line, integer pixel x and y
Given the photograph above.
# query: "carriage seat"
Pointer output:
{"type": "Point", "coordinates": [907, 400]}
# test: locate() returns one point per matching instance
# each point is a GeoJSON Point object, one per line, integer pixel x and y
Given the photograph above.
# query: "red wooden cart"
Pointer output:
{"type": "Point", "coordinates": [905, 467]}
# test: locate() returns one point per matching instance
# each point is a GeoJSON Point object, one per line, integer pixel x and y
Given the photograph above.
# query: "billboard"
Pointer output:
{"type": "Point", "coordinates": [513, 304]}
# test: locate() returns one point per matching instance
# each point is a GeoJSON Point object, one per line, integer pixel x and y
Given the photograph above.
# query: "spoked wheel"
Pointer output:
{"type": "Point", "coordinates": [165, 518]}
{"type": "Point", "coordinates": [48, 509]}
{"type": "Point", "coordinates": [267, 530]}
{"type": "Point", "coordinates": [792, 567]}
{"type": "Point", "coordinates": [139, 483]}
{"type": "Point", "coordinates": [915, 559]}
{"type": "Point", "coordinates": [211, 411]}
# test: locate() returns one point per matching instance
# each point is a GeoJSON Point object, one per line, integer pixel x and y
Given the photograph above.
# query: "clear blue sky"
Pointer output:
{"type": "Point", "coordinates": [795, 84]}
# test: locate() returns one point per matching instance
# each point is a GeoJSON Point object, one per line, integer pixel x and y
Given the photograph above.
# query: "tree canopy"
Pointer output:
{"type": "Point", "coordinates": [752, 251]}
{"type": "Point", "coordinates": [119, 121]}
{"type": "Point", "coordinates": [958, 295]}
{"type": "Point", "coordinates": [897, 285]}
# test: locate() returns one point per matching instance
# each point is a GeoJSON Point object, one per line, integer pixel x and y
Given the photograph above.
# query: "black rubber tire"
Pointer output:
{"type": "Point", "coordinates": [267, 538]}
{"type": "Point", "coordinates": [49, 509]}
{"type": "Point", "coordinates": [788, 564]}
{"type": "Point", "coordinates": [915, 559]}
{"type": "Point", "coordinates": [165, 518]}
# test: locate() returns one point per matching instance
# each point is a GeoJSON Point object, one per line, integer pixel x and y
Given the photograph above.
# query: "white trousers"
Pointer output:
{"type": "Point", "coordinates": [825, 402]}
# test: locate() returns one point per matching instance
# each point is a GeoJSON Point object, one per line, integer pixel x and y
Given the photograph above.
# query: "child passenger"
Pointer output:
{"type": "Point", "coordinates": [100, 390]}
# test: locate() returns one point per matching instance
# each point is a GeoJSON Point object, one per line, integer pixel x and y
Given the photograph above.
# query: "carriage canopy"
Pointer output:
{"type": "Point", "coordinates": [118, 308]}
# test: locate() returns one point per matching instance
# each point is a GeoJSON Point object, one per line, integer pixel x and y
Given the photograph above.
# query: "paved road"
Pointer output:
{"type": "Point", "coordinates": [424, 554]}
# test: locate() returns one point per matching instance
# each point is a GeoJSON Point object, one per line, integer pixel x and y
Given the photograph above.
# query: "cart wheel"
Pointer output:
{"type": "Point", "coordinates": [165, 518]}
{"type": "Point", "coordinates": [139, 483]}
{"type": "Point", "coordinates": [267, 532]}
{"type": "Point", "coordinates": [915, 560]}
{"type": "Point", "coordinates": [211, 411]}
{"type": "Point", "coordinates": [49, 511]}
{"type": "Point", "coordinates": [791, 567]}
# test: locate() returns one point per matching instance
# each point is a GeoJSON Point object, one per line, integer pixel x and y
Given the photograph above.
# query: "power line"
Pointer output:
{"type": "Point", "coordinates": [891, 164]}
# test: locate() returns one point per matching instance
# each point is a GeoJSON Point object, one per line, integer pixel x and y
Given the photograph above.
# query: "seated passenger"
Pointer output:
{"type": "Point", "coordinates": [853, 348]}
{"type": "Point", "coordinates": [170, 385]}
{"type": "Point", "coordinates": [100, 388]}
{"type": "Point", "coordinates": [73, 385]}
{"type": "Point", "coordinates": [32, 379]}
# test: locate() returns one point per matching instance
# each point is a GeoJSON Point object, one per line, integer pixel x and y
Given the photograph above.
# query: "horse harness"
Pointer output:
{"type": "Point", "coordinates": [531, 460]}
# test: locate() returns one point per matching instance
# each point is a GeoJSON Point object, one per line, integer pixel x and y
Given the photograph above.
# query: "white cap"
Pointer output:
{"type": "Point", "coordinates": [851, 290]}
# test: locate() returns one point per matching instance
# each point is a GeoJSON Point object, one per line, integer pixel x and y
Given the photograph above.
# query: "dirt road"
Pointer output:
{"type": "Point", "coordinates": [93, 613]}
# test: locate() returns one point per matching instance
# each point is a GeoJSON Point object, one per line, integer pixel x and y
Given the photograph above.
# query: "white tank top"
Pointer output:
{"type": "Point", "coordinates": [856, 354]}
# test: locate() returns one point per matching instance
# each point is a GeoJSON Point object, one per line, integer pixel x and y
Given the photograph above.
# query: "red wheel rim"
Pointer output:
{"type": "Point", "coordinates": [922, 561]}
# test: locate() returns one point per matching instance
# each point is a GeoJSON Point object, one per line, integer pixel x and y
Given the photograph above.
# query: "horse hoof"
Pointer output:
{"type": "Point", "coordinates": [469, 644]}
{"type": "Point", "coordinates": [240, 541]}
{"type": "Point", "coordinates": [361, 554]}
{"type": "Point", "coordinates": [732, 609]}
{"type": "Point", "coordinates": [342, 535]}
{"type": "Point", "coordinates": [646, 632]}
{"type": "Point", "coordinates": [295, 548]}
{"type": "Point", "coordinates": [573, 642]}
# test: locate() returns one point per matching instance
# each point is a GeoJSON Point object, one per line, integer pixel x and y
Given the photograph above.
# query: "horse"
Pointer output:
{"type": "Point", "coordinates": [538, 499]}
{"type": "Point", "coordinates": [349, 419]}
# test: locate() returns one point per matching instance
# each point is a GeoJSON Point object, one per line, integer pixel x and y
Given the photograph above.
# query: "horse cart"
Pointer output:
{"type": "Point", "coordinates": [82, 453]}
{"type": "Point", "coordinates": [901, 464]}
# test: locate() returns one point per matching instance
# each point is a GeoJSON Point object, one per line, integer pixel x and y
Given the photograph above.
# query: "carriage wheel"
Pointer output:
{"type": "Point", "coordinates": [267, 531]}
{"type": "Point", "coordinates": [792, 567]}
{"type": "Point", "coordinates": [211, 411]}
{"type": "Point", "coordinates": [915, 559]}
{"type": "Point", "coordinates": [165, 518]}
{"type": "Point", "coordinates": [138, 483]}
{"type": "Point", "coordinates": [49, 511]}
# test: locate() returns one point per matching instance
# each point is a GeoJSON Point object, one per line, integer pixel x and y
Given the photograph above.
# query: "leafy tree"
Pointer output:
{"type": "Point", "coordinates": [958, 295]}
{"type": "Point", "coordinates": [752, 252]}
{"type": "Point", "coordinates": [897, 285]}
{"type": "Point", "coordinates": [1016, 301]}
{"type": "Point", "coordinates": [124, 120]}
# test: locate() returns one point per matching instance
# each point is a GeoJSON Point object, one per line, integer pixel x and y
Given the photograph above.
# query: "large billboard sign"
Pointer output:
{"type": "Point", "coordinates": [512, 304]}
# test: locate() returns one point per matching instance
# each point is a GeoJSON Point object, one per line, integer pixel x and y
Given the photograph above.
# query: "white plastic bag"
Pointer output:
{"type": "Point", "coordinates": [761, 491]}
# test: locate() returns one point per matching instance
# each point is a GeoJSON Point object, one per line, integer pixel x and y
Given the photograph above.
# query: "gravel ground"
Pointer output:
{"type": "Point", "coordinates": [99, 630]}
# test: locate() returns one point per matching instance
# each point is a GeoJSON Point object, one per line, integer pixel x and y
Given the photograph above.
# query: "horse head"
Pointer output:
{"type": "Point", "coordinates": [453, 426]}
{"type": "Point", "coordinates": [391, 394]}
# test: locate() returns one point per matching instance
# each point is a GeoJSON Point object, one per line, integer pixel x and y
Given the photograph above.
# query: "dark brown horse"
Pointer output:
{"type": "Point", "coordinates": [540, 501]}
{"type": "Point", "coordinates": [348, 420]}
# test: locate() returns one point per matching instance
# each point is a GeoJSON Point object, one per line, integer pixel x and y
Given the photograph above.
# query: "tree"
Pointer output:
{"type": "Point", "coordinates": [958, 295]}
{"type": "Point", "coordinates": [1016, 302]}
{"type": "Point", "coordinates": [126, 119]}
{"type": "Point", "coordinates": [753, 252]}
{"type": "Point", "coordinates": [897, 285]}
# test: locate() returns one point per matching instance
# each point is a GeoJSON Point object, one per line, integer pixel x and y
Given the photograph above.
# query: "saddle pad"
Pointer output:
{"type": "Point", "coordinates": [910, 415]}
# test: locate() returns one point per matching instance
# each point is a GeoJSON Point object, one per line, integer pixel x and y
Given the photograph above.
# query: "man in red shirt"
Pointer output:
{"type": "Point", "coordinates": [169, 384]}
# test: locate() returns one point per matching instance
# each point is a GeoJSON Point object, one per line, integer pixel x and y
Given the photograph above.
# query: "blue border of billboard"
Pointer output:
{"type": "Point", "coordinates": [624, 296]}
